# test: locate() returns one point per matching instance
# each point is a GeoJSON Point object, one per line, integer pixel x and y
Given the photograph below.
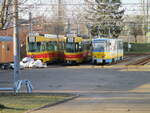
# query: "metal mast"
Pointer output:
{"type": "Point", "coordinates": [17, 81]}
{"type": "Point", "coordinates": [16, 43]}
{"type": "Point", "coordinates": [147, 9]}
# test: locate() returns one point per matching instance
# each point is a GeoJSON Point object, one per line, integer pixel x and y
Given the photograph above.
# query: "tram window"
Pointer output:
{"type": "Point", "coordinates": [88, 47]}
{"type": "Point", "coordinates": [99, 46]}
{"type": "Point", "coordinates": [55, 46]}
{"type": "Point", "coordinates": [108, 44]}
{"type": "Point", "coordinates": [32, 47]}
{"type": "Point", "coordinates": [49, 46]}
{"type": "Point", "coordinates": [61, 46]}
{"type": "Point", "coordinates": [43, 46]}
{"type": "Point", "coordinates": [38, 46]}
{"type": "Point", "coordinates": [70, 47]}
{"type": "Point", "coordinates": [78, 47]}
{"type": "Point", "coordinates": [120, 45]}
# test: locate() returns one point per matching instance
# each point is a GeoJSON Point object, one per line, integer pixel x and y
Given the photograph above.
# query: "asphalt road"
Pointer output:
{"type": "Point", "coordinates": [102, 90]}
{"type": "Point", "coordinates": [80, 79]}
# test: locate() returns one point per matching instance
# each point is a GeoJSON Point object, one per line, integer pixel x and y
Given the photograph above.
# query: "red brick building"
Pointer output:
{"type": "Point", "coordinates": [23, 32]}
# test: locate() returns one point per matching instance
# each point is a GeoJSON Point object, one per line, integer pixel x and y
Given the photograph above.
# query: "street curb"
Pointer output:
{"type": "Point", "coordinates": [54, 104]}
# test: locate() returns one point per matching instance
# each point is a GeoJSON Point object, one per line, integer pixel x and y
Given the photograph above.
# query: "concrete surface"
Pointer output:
{"type": "Point", "coordinates": [102, 90]}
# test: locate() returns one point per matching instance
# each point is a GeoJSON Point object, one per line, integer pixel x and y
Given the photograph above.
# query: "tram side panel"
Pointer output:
{"type": "Point", "coordinates": [120, 49]}
{"type": "Point", "coordinates": [114, 50]}
{"type": "Point", "coordinates": [110, 51]}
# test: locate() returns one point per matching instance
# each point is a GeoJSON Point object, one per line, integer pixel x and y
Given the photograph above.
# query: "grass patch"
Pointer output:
{"type": "Point", "coordinates": [19, 103]}
{"type": "Point", "coordinates": [137, 48]}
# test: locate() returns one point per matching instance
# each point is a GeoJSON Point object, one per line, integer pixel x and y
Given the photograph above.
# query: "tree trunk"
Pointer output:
{"type": "Point", "coordinates": [135, 38]}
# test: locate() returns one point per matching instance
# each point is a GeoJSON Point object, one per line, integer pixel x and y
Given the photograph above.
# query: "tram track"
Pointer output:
{"type": "Point", "coordinates": [143, 60]}
{"type": "Point", "coordinates": [134, 59]}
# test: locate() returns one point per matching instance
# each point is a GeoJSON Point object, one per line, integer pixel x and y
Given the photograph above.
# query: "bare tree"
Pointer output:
{"type": "Point", "coordinates": [136, 26]}
{"type": "Point", "coordinates": [56, 21]}
{"type": "Point", "coordinates": [5, 12]}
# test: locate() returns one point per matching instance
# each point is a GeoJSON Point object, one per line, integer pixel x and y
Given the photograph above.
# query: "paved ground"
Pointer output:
{"type": "Point", "coordinates": [102, 90]}
{"type": "Point", "coordinates": [108, 102]}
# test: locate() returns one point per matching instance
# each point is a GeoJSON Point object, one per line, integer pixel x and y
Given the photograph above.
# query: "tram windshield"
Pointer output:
{"type": "Point", "coordinates": [73, 47]}
{"type": "Point", "coordinates": [99, 46]}
{"type": "Point", "coordinates": [32, 47]}
{"type": "Point", "coordinates": [41, 46]}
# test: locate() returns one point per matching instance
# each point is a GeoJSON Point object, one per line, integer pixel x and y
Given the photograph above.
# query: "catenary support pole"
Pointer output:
{"type": "Point", "coordinates": [69, 26]}
{"type": "Point", "coordinates": [17, 81]}
{"type": "Point", "coordinates": [16, 42]}
{"type": "Point", "coordinates": [147, 16]}
{"type": "Point", "coordinates": [30, 22]}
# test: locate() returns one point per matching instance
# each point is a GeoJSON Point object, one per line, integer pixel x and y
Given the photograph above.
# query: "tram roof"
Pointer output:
{"type": "Point", "coordinates": [96, 39]}
{"type": "Point", "coordinates": [102, 39]}
{"type": "Point", "coordinates": [6, 38]}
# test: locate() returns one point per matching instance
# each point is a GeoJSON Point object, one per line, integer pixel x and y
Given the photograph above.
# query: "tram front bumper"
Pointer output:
{"type": "Point", "coordinates": [97, 60]}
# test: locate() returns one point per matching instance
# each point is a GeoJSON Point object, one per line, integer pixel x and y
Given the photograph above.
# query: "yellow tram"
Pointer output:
{"type": "Point", "coordinates": [45, 47]}
{"type": "Point", "coordinates": [106, 50]}
{"type": "Point", "coordinates": [77, 50]}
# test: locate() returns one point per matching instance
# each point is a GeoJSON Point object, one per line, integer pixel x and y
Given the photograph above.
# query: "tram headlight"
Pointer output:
{"type": "Point", "coordinates": [103, 56]}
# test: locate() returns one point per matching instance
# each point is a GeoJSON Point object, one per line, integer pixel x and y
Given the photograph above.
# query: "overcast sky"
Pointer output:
{"type": "Point", "coordinates": [129, 6]}
{"type": "Point", "coordinates": [130, 1]}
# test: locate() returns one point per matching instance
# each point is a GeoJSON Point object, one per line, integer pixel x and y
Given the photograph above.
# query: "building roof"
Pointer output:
{"type": "Point", "coordinates": [6, 38]}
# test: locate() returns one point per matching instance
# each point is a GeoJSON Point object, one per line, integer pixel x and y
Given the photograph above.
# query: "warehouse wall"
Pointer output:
{"type": "Point", "coordinates": [6, 52]}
